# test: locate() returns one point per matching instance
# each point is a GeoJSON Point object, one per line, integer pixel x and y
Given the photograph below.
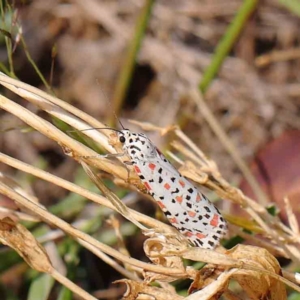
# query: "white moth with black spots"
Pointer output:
{"type": "Point", "coordinates": [186, 208]}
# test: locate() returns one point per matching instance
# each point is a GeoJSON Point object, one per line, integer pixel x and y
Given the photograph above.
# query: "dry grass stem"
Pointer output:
{"type": "Point", "coordinates": [18, 215]}
{"type": "Point", "coordinates": [205, 111]}
{"type": "Point", "coordinates": [137, 290]}
{"type": "Point", "coordinates": [209, 291]}
{"type": "Point", "coordinates": [110, 261]}
{"type": "Point", "coordinates": [119, 206]}
{"type": "Point", "coordinates": [291, 218]}
{"type": "Point", "coordinates": [148, 221]}
{"type": "Point", "coordinates": [21, 240]}
{"type": "Point", "coordinates": [254, 100]}
{"type": "Point", "coordinates": [164, 247]}
{"type": "Point", "coordinates": [48, 217]}
{"type": "Point", "coordinates": [25, 90]}
{"type": "Point", "coordinates": [209, 176]}
{"type": "Point", "coordinates": [277, 56]}
{"type": "Point", "coordinates": [65, 141]}
{"type": "Point", "coordinates": [72, 286]}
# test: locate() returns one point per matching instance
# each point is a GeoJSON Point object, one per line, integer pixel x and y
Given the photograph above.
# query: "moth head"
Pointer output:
{"type": "Point", "coordinates": [137, 145]}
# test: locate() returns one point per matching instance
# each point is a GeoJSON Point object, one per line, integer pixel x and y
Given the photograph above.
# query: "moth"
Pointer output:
{"type": "Point", "coordinates": [186, 208]}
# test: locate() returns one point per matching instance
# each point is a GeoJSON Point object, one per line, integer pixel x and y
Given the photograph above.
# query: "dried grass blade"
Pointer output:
{"type": "Point", "coordinates": [116, 202]}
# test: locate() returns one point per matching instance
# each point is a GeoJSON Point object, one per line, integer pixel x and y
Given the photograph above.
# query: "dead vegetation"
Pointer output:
{"type": "Point", "coordinates": [253, 99]}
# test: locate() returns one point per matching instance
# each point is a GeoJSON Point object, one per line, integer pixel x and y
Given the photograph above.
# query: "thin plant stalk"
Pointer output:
{"type": "Point", "coordinates": [229, 146]}
{"type": "Point", "coordinates": [227, 42]}
{"type": "Point", "coordinates": [291, 5]}
{"type": "Point", "coordinates": [126, 73]}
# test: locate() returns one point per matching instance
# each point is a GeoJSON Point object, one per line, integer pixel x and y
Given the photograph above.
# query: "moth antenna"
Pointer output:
{"type": "Point", "coordinates": [109, 103]}
{"type": "Point", "coordinates": [93, 128]}
{"type": "Point", "coordinates": [115, 115]}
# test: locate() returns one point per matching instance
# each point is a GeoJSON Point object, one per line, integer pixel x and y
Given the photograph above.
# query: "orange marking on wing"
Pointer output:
{"type": "Point", "coordinates": [167, 186]}
{"type": "Point", "coordinates": [215, 220]}
{"type": "Point", "coordinates": [148, 187]}
{"type": "Point", "coordinates": [152, 166]}
{"type": "Point", "coordinates": [200, 235]}
{"type": "Point", "coordinates": [161, 205]}
{"type": "Point", "coordinates": [192, 214]}
{"type": "Point", "coordinates": [198, 199]}
{"type": "Point", "coordinates": [137, 169]}
{"type": "Point", "coordinates": [181, 183]}
{"type": "Point", "coordinates": [188, 234]}
{"type": "Point", "coordinates": [179, 199]}
{"type": "Point", "coordinates": [173, 220]}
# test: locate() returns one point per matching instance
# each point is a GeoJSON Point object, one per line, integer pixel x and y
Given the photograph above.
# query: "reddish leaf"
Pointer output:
{"type": "Point", "coordinates": [276, 167]}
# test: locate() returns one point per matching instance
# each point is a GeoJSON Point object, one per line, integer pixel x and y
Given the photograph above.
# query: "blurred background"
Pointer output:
{"type": "Point", "coordinates": [84, 51]}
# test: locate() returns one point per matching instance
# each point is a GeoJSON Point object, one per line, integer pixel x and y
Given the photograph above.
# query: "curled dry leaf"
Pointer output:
{"type": "Point", "coordinates": [254, 268]}
{"type": "Point", "coordinates": [258, 285]}
{"type": "Point", "coordinates": [212, 288]}
{"type": "Point", "coordinates": [208, 275]}
{"type": "Point", "coordinates": [21, 240]}
{"type": "Point", "coordinates": [153, 248]}
{"type": "Point", "coordinates": [138, 290]}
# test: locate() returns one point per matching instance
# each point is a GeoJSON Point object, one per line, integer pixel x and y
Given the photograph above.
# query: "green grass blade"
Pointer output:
{"type": "Point", "coordinates": [126, 73]}
{"type": "Point", "coordinates": [291, 5]}
{"type": "Point", "coordinates": [226, 43]}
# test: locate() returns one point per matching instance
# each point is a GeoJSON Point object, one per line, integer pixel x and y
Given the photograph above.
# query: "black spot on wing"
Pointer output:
{"type": "Point", "coordinates": [134, 147]}
{"type": "Point", "coordinates": [207, 208]}
{"type": "Point", "coordinates": [198, 243]}
{"type": "Point", "coordinates": [175, 192]}
{"type": "Point", "coordinates": [211, 243]}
